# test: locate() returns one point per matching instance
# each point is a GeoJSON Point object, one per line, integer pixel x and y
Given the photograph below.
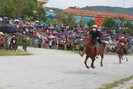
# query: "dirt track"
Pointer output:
{"type": "Point", "coordinates": [55, 69]}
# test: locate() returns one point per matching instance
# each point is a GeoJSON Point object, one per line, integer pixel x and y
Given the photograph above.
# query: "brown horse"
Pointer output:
{"type": "Point", "coordinates": [121, 52]}
{"type": "Point", "coordinates": [91, 51]}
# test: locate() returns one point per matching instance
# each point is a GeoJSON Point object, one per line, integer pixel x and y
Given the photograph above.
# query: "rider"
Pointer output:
{"type": "Point", "coordinates": [123, 42]}
{"type": "Point", "coordinates": [96, 35]}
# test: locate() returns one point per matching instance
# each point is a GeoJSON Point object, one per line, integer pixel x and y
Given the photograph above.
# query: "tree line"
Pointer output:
{"type": "Point", "coordinates": [21, 8]}
{"type": "Point", "coordinates": [110, 9]}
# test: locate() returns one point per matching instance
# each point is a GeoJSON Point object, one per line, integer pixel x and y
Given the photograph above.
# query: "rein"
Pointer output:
{"type": "Point", "coordinates": [91, 47]}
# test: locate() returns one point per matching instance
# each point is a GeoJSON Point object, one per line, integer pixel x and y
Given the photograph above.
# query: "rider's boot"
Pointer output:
{"type": "Point", "coordinates": [97, 52]}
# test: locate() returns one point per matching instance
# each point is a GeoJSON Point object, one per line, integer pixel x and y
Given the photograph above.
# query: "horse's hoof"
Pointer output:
{"type": "Point", "coordinates": [93, 67]}
{"type": "Point", "coordinates": [101, 65]}
{"type": "Point", "coordinates": [126, 59]}
{"type": "Point", "coordinates": [87, 67]}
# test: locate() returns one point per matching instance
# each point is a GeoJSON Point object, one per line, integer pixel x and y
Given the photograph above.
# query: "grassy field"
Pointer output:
{"type": "Point", "coordinates": [131, 87]}
{"type": "Point", "coordinates": [117, 83]}
{"type": "Point", "coordinates": [12, 53]}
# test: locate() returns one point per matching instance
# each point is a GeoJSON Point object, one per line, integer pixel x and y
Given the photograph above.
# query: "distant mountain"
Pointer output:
{"type": "Point", "coordinates": [110, 9]}
{"type": "Point", "coordinates": [52, 8]}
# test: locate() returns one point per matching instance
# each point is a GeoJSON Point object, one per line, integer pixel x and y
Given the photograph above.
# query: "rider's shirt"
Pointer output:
{"type": "Point", "coordinates": [122, 42]}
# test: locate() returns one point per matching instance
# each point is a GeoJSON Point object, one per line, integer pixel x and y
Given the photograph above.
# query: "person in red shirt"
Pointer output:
{"type": "Point", "coordinates": [123, 44]}
{"type": "Point", "coordinates": [122, 41]}
{"type": "Point", "coordinates": [1, 41]}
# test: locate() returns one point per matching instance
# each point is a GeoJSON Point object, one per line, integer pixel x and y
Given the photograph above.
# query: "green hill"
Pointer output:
{"type": "Point", "coordinates": [110, 9]}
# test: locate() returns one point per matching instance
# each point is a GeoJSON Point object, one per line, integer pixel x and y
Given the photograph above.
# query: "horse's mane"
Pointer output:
{"type": "Point", "coordinates": [91, 38]}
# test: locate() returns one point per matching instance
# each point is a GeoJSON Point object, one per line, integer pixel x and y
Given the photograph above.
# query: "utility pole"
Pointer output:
{"type": "Point", "coordinates": [123, 3]}
{"type": "Point", "coordinates": [123, 17]}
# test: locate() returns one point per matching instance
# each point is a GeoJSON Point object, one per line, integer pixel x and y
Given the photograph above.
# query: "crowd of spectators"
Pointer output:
{"type": "Point", "coordinates": [61, 36]}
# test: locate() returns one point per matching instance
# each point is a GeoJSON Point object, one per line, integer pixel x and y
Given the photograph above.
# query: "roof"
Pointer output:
{"type": "Point", "coordinates": [92, 13]}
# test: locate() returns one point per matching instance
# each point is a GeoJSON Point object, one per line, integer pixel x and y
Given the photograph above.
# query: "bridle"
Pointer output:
{"type": "Point", "coordinates": [88, 44]}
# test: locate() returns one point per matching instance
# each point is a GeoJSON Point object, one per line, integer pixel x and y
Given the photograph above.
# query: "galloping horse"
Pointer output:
{"type": "Point", "coordinates": [91, 51]}
{"type": "Point", "coordinates": [121, 52]}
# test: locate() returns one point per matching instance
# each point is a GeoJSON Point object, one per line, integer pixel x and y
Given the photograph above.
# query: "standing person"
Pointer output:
{"type": "Point", "coordinates": [17, 42]}
{"type": "Point", "coordinates": [13, 42]}
{"type": "Point", "coordinates": [40, 42]}
{"type": "Point", "coordinates": [25, 42]}
{"type": "Point", "coordinates": [1, 41]}
{"type": "Point", "coordinates": [50, 43]}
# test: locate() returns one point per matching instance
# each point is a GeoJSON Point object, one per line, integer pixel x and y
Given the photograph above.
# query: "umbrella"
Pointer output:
{"type": "Point", "coordinates": [37, 21]}
{"type": "Point", "coordinates": [63, 36]}
{"type": "Point", "coordinates": [50, 16]}
{"type": "Point", "coordinates": [8, 29]}
{"type": "Point", "coordinates": [51, 27]}
{"type": "Point", "coordinates": [70, 36]}
{"type": "Point", "coordinates": [16, 20]}
{"type": "Point", "coordinates": [5, 17]}
{"type": "Point", "coordinates": [55, 32]}
{"type": "Point", "coordinates": [77, 36]}
{"type": "Point", "coordinates": [1, 33]}
{"type": "Point", "coordinates": [56, 28]}
{"type": "Point", "coordinates": [81, 39]}
{"type": "Point", "coordinates": [51, 36]}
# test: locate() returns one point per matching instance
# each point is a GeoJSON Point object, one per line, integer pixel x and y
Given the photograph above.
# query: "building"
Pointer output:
{"type": "Point", "coordinates": [42, 2]}
{"type": "Point", "coordinates": [96, 14]}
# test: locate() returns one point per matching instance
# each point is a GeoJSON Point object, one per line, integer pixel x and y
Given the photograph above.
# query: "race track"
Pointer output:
{"type": "Point", "coordinates": [56, 69]}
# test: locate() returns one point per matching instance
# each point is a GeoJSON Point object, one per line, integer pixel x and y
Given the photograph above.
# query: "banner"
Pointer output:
{"type": "Point", "coordinates": [99, 21]}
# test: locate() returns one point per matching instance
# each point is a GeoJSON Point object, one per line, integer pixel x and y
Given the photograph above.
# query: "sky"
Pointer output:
{"type": "Point", "coordinates": [63, 4]}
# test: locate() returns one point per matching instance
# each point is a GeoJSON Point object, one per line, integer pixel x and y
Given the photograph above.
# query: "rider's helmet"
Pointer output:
{"type": "Point", "coordinates": [94, 27]}
{"type": "Point", "coordinates": [122, 38]}
{"type": "Point", "coordinates": [13, 36]}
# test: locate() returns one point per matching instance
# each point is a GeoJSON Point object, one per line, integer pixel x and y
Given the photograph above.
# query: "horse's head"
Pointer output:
{"type": "Point", "coordinates": [88, 39]}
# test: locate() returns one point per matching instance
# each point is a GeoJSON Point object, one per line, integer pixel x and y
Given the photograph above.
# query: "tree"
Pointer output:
{"type": "Point", "coordinates": [129, 26]}
{"type": "Point", "coordinates": [7, 8]}
{"type": "Point", "coordinates": [109, 23]}
{"type": "Point", "coordinates": [17, 8]}
{"type": "Point", "coordinates": [90, 23]}
{"type": "Point", "coordinates": [40, 13]}
{"type": "Point", "coordinates": [68, 19]}
{"type": "Point", "coordinates": [25, 8]}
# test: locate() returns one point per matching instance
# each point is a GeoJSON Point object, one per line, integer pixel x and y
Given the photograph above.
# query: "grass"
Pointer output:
{"type": "Point", "coordinates": [12, 53]}
{"type": "Point", "coordinates": [131, 87]}
{"type": "Point", "coordinates": [117, 83]}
